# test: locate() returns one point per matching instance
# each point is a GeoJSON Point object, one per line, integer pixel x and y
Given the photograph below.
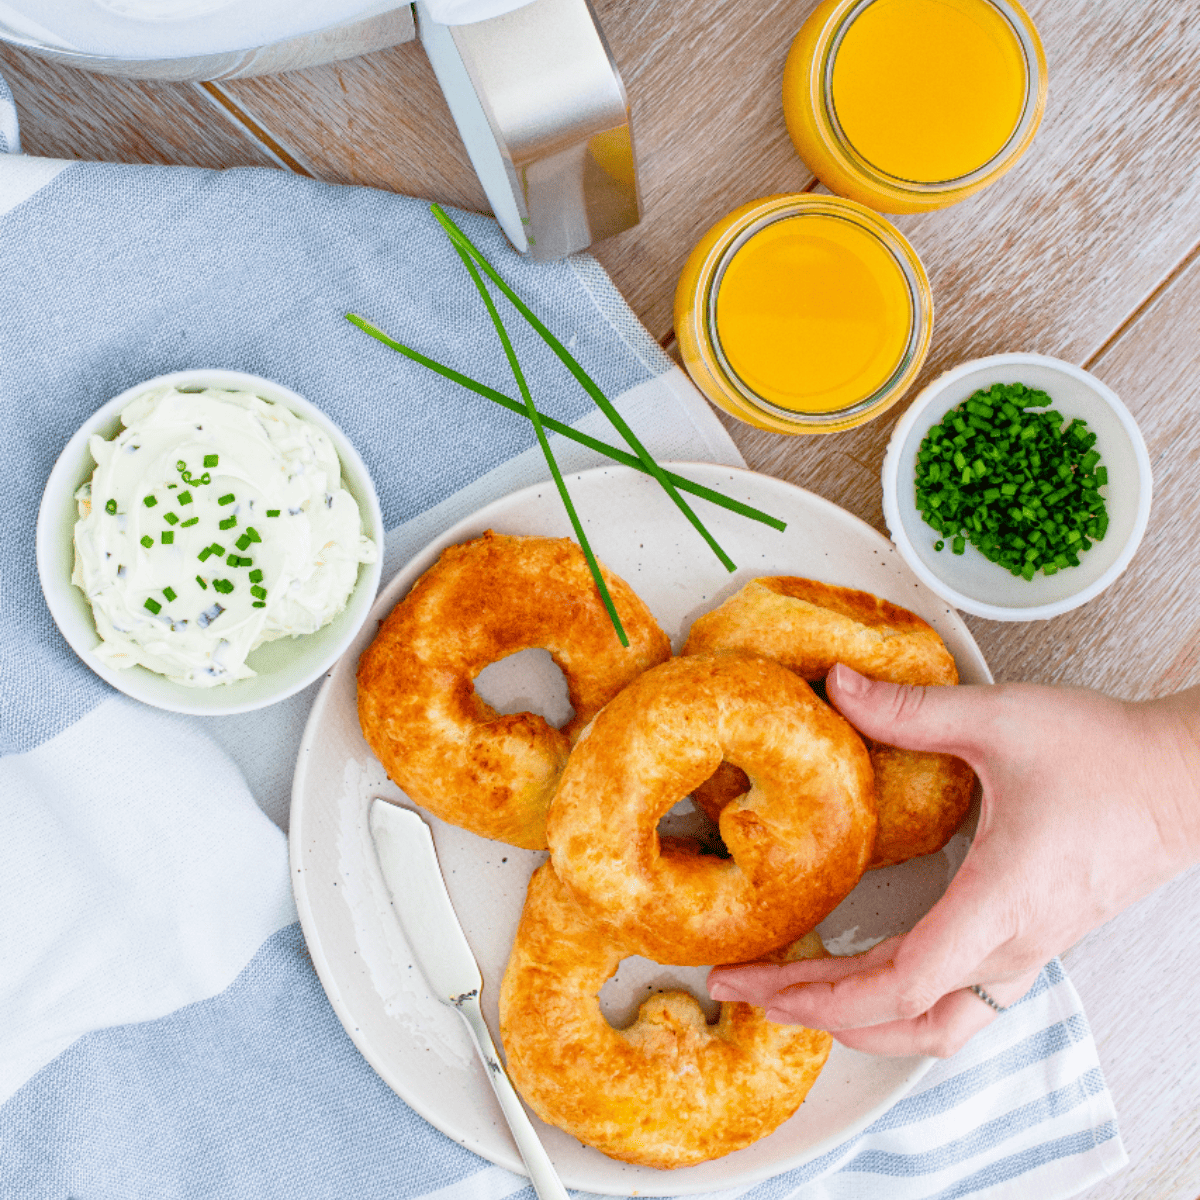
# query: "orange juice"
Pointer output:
{"type": "Point", "coordinates": [909, 105]}
{"type": "Point", "coordinates": [813, 313]}
{"type": "Point", "coordinates": [803, 314]}
{"type": "Point", "coordinates": [929, 90]}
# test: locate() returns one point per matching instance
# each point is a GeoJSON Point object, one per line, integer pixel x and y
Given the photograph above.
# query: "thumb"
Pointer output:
{"type": "Point", "coordinates": [953, 720]}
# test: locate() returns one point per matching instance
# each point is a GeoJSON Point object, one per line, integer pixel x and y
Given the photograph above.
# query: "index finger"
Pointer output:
{"type": "Point", "coordinates": [911, 974]}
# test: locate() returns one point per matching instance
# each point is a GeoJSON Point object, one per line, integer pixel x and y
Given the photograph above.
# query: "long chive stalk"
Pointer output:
{"type": "Point", "coordinates": [626, 459]}
{"type": "Point", "coordinates": [593, 566]}
{"type": "Point", "coordinates": [589, 385]}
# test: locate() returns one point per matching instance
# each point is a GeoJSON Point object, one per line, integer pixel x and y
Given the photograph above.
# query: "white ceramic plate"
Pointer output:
{"type": "Point", "coordinates": [419, 1047]}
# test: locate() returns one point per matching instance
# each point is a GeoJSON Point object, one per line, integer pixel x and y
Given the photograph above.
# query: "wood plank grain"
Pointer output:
{"type": "Point", "coordinates": [379, 120]}
{"type": "Point", "coordinates": [66, 113]}
{"type": "Point", "coordinates": [1055, 256]}
{"type": "Point", "coordinates": [1133, 976]}
{"type": "Point", "coordinates": [1141, 638]}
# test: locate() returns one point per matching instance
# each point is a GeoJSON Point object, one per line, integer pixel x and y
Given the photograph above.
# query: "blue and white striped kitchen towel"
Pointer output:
{"type": "Point", "coordinates": [162, 1033]}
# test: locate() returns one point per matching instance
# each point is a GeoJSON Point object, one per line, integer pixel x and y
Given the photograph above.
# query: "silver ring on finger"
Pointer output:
{"type": "Point", "coordinates": [988, 1000]}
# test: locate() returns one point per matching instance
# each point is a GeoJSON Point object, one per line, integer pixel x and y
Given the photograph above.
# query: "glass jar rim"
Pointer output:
{"type": "Point", "coordinates": [1031, 105]}
{"type": "Point", "coordinates": [779, 208]}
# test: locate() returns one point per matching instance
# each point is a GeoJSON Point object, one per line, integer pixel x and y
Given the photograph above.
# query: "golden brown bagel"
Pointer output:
{"type": "Point", "coordinates": [480, 602]}
{"type": "Point", "coordinates": [670, 1090]}
{"type": "Point", "coordinates": [808, 627]}
{"type": "Point", "coordinates": [799, 840]}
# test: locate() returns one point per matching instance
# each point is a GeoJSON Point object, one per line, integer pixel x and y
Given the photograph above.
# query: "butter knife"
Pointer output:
{"type": "Point", "coordinates": [404, 845]}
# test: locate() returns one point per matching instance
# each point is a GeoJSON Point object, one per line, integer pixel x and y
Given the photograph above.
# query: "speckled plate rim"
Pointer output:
{"type": "Point", "coordinates": [335, 781]}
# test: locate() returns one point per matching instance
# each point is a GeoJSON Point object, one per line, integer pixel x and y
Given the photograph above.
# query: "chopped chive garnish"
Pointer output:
{"type": "Point", "coordinates": [185, 497]}
{"type": "Point", "coordinates": [252, 534]}
{"type": "Point", "coordinates": [188, 522]}
{"type": "Point", "coordinates": [170, 518]}
{"type": "Point", "coordinates": [272, 512]}
{"type": "Point", "coordinates": [147, 541]}
{"type": "Point", "coordinates": [169, 593]}
{"type": "Point", "coordinates": [222, 585]}
{"type": "Point", "coordinates": [153, 605]}
{"type": "Point", "coordinates": [258, 604]}
{"type": "Point", "coordinates": [256, 576]}
{"type": "Point", "coordinates": [1018, 484]}
{"type": "Point", "coordinates": [567, 431]}
{"type": "Point", "coordinates": [111, 507]}
{"type": "Point", "coordinates": [228, 523]}
{"type": "Point", "coordinates": [211, 460]}
{"type": "Point", "coordinates": [228, 498]}
{"type": "Point", "coordinates": [216, 548]}
{"type": "Point", "coordinates": [168, 537]}
{"type": "Point", "coordinates": [149, 502]}
{"type": "Point", "coordinates": [260, 592]}
{"type": "Point", "coordinates": [201, 582]}
{"type": "Point", "coordinates": [205, 554]}
{"type": "Point", "coordinates": [243, 541]}
{"type": "Point", "coordinates": [180, 465]}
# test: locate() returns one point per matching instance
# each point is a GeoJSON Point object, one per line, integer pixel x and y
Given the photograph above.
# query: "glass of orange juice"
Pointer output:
{"type": "Point", "coordinates": [910, 105]}
{"type": "Point", "coordinates": [803, 314]}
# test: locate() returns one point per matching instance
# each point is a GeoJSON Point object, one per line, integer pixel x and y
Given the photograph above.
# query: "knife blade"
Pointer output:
{"type": "Point", "coordinates": [409, 863]}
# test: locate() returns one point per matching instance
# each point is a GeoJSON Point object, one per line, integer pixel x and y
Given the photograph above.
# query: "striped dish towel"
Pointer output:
{"type": "Point", "coordinates": [162, 1032]}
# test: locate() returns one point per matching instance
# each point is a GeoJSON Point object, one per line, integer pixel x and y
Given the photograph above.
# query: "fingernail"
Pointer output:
{"type": "Point", "coordinates": [723, 991]}
{"type": "Point", "coordinates": [849, 681]}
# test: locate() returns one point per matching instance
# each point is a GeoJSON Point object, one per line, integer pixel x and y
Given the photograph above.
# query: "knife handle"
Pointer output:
{"type": "Point", "coordinates": [542, 1174]}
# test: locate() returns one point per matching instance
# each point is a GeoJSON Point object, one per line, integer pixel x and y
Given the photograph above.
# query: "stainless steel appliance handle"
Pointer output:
{"type": "Point", "coordinates": [545, 120]}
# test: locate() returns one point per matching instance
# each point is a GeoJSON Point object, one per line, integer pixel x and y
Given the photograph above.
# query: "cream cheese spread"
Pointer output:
{"type": "Point", "coordinates": [214, 522]}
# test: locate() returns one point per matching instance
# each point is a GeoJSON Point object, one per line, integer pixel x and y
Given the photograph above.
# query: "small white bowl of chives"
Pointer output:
{"type": "Point", "coordinates": [1003, 553]}
{"type": "Point", "coordinates": [284, 666]}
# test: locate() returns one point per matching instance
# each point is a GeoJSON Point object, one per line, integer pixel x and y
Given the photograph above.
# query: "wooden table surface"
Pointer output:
{"type": "Point", "coordinates": [1089, 250]}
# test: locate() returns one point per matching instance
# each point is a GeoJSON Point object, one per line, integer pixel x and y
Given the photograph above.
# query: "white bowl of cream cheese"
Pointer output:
{"type": "Point", "coordinates": [209, 542]}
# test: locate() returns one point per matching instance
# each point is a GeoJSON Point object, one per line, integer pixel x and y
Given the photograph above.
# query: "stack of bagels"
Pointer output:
{"type": "Point", "coordinates": [803, 803]}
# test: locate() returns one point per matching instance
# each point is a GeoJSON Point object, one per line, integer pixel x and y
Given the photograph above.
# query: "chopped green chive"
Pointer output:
{"type": "Point", "coordinates": [111, 507]}
{"type": "Point", "coordinates": [153, 605]}
{"type": "Point", "coordinates": [228, 523]}
{"type": "Point", "coordinates": [252, 534]}
{"type": "Point", "coordinates": [205, 554]}
{"type": "Point", "coordinates": [185, 497]}
{"type": "Point", "coordinates": [149, 502]}
{"type": "Point", "coordinates": [201, 582]}
{"type": "Point", "coordinates": [243, 541]}
{"type": "Point", "coordinates": [1021, 486]}
{"type": "Point", "coordinates": [216, 548]}
{"type": "Point", "coordinates": [222, 585]}
{"type": "Point", "coordinates": [211, 460]}
{"type": "Point", "coordinates": [258, 604]}
{"type": "Point", "coordinates": [170, 518]}
{"type": "Point", "coordinates": [189, 521]}
{"type": "Point", "coordinates": [169, 593]}
{"type": "Point", "coordinates": [147, 541]}
{"type": "Point", "coordinates": [256, 576]}
{"type": "Point", "coordinates": [168, 536]}
{"type": "Point", "coordinates": [260, 592]}
{"type": "Point", "coordinates": [228, 498]}
{"type": "Point", "coordinates": [272, 512]}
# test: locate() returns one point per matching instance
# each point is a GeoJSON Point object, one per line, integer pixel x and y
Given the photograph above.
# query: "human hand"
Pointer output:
{"type": "Point", "coordinates": [1089, 804]}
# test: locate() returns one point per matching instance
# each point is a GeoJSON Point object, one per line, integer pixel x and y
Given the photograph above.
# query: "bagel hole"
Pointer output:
{"type": "Point", "coordinates": [818, 686]}
{"type": "Point", "coordinates": [637, 979]}
{"type": "Point", "coordinates": [686, 822]}
{"type": "Point", "coordinates": [528, 681]}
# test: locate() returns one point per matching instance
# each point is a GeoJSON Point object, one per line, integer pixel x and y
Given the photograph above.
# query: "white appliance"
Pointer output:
{"type": "Point", "coordinates": [531, 84]}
